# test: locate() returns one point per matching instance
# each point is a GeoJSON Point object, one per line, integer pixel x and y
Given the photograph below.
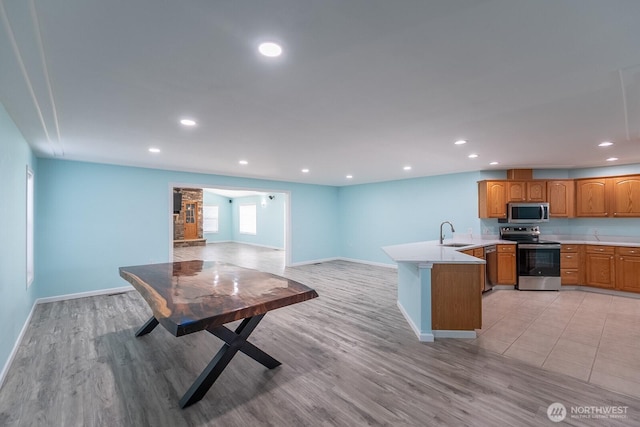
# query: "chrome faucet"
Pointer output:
{"type": "Point", "coordinates": [453, 230]}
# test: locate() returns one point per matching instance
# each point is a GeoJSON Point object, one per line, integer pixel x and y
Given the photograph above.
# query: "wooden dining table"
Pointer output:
{"type": "Point", "coordinates": [191, 296]}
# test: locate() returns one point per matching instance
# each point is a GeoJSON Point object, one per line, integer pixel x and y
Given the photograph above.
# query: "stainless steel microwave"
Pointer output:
{"type": "Point", "coordinates": [527, 213]}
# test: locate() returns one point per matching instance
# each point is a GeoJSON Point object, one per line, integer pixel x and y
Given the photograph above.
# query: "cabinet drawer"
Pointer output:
{"type": "Point", "coordinates": [569, 276]}
{"type": "Point", "coordinates": [569, 260]}
{"type": "Point", "coordinates": [595, 249]}
{"type": "Point", "coordinates": [479, 253]}
{"type": "Point", "coordinates": [628, 251]}
{"type": "Point", "coordinates": [568, 248]}
{"type": "Point", "coordinates": [506, 248]}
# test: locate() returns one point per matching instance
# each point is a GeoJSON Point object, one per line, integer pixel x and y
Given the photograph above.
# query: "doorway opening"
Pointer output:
{"type": "Point", "coordinates": [205, 215]}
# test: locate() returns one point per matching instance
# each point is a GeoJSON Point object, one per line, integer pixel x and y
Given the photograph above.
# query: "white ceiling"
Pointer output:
{"type": "Point", "coordinates": [364, 87]}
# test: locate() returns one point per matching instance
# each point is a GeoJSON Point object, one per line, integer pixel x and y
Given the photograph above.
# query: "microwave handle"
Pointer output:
{"type": "Point", "coordinates": [541, 211]}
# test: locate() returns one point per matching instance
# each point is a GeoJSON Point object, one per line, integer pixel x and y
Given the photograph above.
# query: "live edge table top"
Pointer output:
{"type": "Point", "coordinates": [189, 296]}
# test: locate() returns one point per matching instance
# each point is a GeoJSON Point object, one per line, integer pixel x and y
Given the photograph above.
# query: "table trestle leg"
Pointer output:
{"type": "Point", "coordinates": [234, 342]}
{"type": "Point", "coordinates": [147, 327]}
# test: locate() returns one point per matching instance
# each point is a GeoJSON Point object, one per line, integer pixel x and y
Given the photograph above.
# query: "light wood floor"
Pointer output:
{"type": "Point", "coordinates": [348, 357]}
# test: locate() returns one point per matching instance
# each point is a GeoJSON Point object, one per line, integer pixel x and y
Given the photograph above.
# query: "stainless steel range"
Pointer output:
{"type": "Point", "coordinates": [538, 261]}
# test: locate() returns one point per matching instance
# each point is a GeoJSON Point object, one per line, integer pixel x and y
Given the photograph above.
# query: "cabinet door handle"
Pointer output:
{"type": "Point", "coordinates": [568, 256]}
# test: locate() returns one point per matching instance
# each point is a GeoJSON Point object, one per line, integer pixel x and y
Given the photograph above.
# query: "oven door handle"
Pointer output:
{"type": "Point", "coordinates": [537, 246]}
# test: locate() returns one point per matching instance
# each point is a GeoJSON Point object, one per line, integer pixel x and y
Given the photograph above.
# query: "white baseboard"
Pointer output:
{"type": "Point", "coordinates": [422, 336]}
{"type": "Point", "coordinates": [315, 261]}
{"type": "Point", "coordinates": [257, 245]}
{"type": "Point", "coordinates": [377, 264]}
{"type": "Point", "coordinates": [14, 350]}
{"type": "Point", "coordinates": [85, 294]}
{"type": "Point", "coordinates": [12, 355]}
{"type": "Point", "coordinates": [455, 334]}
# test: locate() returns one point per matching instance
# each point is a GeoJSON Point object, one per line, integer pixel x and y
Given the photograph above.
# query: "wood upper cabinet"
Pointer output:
{"type": "Point", "coordinates": [625, 196]}
{"type": "Point", "coordinates": [526, 191]}
{"type": "Point", "coordinates": [561, 198]}
{"type": "Point", "coordinates": [600, 266]}
{"type": "Point", "coordinates": [605, 197]}
{"type": "Point", "coordinates": [492, 202]}
{"type": "Point", "coordinates": [628, 269]}
{"type": "Point", "coordinates": [592, 197]}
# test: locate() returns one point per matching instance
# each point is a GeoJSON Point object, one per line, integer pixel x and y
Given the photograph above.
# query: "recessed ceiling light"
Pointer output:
{"type": "Point", "coordinates": [154, 150]}
{"type": "Point", "coordinates": [460, 142]}
{"type": "Point", "coordinates": [493, 163]}
{"type": "Point", "coordinates": [270, 49]}
{"type": "Point", "coordinates": [407, 168]}
{"type": "Point", "coordinates": [612, 159]}
{"type": "Point", "coordinates": [349, 176]}
{"type": "Point", "coordinates": [605, 144]}
{"type": "Point", "coordinates": [243, 162]}
{"type": "Point", "coordinates": [472, 156]}
{"type": "Point", "coordinates": [187, 122]}
{"type": "Point", "coordinates": [305, 170]}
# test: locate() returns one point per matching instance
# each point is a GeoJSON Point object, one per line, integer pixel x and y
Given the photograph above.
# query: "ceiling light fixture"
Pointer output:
{"type": "Point", "coordinates": [605, 144]}
{"type": "Point", "coordinates": [407, 168]}
{"type": "Point", "coordinates": [270, 49]}
{"type": "Point", "coordinates": [187, 122]}
{"type": "Point", "coordinates": [243, 162]}
{"type": "Point", "coordinates": [460, 142]}
{"type": "Point", "coordinates": [612, 159]}
{"type": "Point", "coordinates": [305, 170]}
{"type": "Point", "coordinates": [154, 150]}
{"type": "Point", "coordinates": [349, 176]}
{"type": "Point", "coordinates": [472, 156]}
{"type": "Point", "coordinates": [493, 163]}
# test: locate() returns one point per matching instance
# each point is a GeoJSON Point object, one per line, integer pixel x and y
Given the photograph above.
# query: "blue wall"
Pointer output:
{"type": "Point", "coordinates": [15, 299]}
{"type": "Point", "coordinates": [94, 218]}
{"type": "Point", "coordinates": [393, 212]}
{"type": "Point", "coordinates": [225, 232]}
{"type": "Point", "coordinates": [270, 217]}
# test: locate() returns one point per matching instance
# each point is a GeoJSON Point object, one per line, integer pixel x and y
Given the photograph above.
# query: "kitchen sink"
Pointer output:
{"type": "Point", "coordinates": [456, 245]}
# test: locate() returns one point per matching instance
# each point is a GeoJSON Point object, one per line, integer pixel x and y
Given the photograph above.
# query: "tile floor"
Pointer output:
{"type": "Point", "coordinates": [590, 336]}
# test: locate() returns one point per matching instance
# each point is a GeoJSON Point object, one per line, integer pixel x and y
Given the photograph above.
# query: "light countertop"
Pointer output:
{"type": "Point", "coordinates": [431, 252]}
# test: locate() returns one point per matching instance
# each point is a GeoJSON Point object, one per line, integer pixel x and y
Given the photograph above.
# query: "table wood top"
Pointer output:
{"type": "Point", "coordinates": [189, 296]}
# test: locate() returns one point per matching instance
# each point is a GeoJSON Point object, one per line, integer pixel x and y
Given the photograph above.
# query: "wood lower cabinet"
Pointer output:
{"type": "Point", "coordinates": [628, 269]}
{"type": "Point", "coordinates": [569, 264]}
{"type": "Point", "coordinates": [505, 271]}
{"type": "Point", "coordinates": [478, 253]}
{"type": "Point", "coordinates": [453, 305]}
{"type": "Point", "coordinates": [600, 266]}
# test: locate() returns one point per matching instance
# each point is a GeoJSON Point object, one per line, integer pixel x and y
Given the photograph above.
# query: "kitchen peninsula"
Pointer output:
{"type": "Point", "coordinates": [439, 288]}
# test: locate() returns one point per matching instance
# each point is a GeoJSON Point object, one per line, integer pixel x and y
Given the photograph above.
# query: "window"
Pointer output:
{"type": "Point", "coordinates": [210, 223]}
{"type": "Point", "coordinates": [30, 197]}
{"type": "Point", "coordinates": [247, 219]}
